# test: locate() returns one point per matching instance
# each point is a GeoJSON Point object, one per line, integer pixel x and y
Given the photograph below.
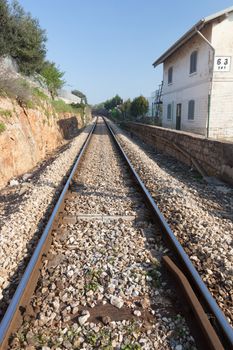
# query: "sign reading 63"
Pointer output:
{"type": "Point", "coordinates": [222, 63]}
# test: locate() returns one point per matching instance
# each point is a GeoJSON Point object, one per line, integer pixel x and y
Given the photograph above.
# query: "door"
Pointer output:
{"type": "Point", "coordinates": [178, 116]}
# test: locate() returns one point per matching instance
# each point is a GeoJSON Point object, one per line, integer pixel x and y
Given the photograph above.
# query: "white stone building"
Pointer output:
{"type": "Point", "coordinates": [198, 78]}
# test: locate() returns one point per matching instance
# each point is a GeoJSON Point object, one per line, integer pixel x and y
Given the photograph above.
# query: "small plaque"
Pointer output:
{"type": "Point", "coordinates": [222, 63]}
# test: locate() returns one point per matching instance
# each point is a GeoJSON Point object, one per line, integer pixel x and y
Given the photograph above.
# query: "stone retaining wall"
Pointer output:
{"type": "Point", "coordinates": [211, 157]}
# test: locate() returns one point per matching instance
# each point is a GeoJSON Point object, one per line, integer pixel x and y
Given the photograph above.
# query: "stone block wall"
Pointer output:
{"type": "Point", "coordinates": [212, 157]}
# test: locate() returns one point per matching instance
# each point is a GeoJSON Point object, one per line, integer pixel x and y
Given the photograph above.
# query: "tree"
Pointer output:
{"type": "Point", "coordinates": [27, 40]}
{"type": "Point", "coordinates": [125, 108]}
{"type": "Point", "coordinates": [139, 106]}
{"type": "Point", "coordinates": [53, 77]}
{"type": "Point", "coordinates": [114, 102]}
{"type": "Point", "coordinates": [4, 28]}
{"type": "Point", "coordinates": [80, 95]}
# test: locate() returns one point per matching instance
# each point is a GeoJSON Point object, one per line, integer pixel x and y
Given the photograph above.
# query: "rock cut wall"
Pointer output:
{"type": "Point", "coordinates": [28, 135]}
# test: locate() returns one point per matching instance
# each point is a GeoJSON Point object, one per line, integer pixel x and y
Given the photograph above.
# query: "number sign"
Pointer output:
{"type": "Point", "coordinates": [222, 63]}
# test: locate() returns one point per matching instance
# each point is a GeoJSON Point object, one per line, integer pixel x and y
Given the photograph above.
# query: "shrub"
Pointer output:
{"type": "Point", "coordinates": [16, 88]}
{"type": "Point", "coordinates": [39, 94]}
{"type": "Point", "coordinates": [61, 107]}
{"type": "Point", "coordinates": [2, 127]}
{"type": "Point", "coordinates": [5, 113]}
{"type": "Point", "coordinates": [53, 77]}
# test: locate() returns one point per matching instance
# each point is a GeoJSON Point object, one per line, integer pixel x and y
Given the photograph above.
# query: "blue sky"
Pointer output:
{"type": "Point", "coordinates": [108, 46]}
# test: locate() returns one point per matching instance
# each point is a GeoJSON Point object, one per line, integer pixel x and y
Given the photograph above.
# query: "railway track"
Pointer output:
{"type": "Point", "coordinates": [99, 275]}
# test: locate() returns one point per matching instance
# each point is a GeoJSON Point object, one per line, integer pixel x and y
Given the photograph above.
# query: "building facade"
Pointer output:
{"type": "Point", "coordinates": [198, 78]}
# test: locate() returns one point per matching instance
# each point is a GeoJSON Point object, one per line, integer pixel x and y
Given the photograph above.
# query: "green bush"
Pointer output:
{"type": "Point", "coordinates": [2, 127]}
{"type": "Point", "coordinates": [61, 107]}
{"type": "Point", "coordinates": [39, 94]}
{"type": "Point", "coordinates": [5, 113]}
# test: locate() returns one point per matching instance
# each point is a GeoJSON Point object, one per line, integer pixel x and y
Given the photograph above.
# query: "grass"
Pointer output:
{"type": "Point", "coordinates": [32, 97]}
{"type": "Point", "coordinates": [61, 107]}
{"type": "Point", "coordinates": [155, 274]}
{"type": "Point", "coordinates": [92, 280]}
{"type": "Point", "coordinates": [5, 113]}
{"type": "Point", "coordinates": [101, 340]}
{"type": "Point", "coordinates": [2, 127]}
{"type": "Point", "coordinates": [39, 94]}
{"type": "Point", "coordinates": [92, 286]}
{"type": "Point", "coordinates": [30, 104]}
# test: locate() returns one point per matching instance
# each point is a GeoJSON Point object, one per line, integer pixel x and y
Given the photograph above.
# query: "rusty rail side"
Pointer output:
{"type": "Point", "coordinates": [224, 327]}
{"type": "Point", "coordinates": [207, 329]}
{"type": "Point", "coordinates": [13, 316]}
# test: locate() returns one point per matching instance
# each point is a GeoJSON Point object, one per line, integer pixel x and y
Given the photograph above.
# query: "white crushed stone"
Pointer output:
{"type": "Point", "coordinates": [22, 225]}
{"type": "Point", "coordinates": [201, 216]}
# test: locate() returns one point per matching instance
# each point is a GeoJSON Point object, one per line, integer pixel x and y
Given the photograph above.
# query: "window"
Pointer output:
{"type": "Point", "coordinates": [193, 62]}
{"type": "Point", "coordinates": [170, 73]}
{"type": "Point", "coordinates": [191, 108]}
{"type": "Point", "coordinates": [169, 111]}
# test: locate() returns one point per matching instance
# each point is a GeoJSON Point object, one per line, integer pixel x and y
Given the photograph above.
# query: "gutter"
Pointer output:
{"type": "Point", "coordinates": [211, 80]}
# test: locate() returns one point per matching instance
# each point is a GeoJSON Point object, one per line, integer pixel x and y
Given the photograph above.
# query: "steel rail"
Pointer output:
{"type": "Point", "coordinates": [223, 324]}
{"type": "Point", "coordinates": [13, 308]}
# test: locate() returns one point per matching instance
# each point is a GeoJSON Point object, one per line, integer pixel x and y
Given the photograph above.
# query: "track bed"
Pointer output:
{"type": "Point", "coordinates": [102, 285]}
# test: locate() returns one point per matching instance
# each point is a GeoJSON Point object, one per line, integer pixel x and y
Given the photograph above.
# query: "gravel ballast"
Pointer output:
{"type": "Point", "coordinates": [200, 215]}
{"type": "Point", "coordinates": [20, 230]}
{"type": "Point", "coordinates": [102, 285]}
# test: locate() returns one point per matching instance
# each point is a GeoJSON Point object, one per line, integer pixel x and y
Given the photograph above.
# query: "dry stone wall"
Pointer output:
{"type": "Point", "coordinates": [29, 135]}
{"type": "Point", "coordinates": [213, 158]}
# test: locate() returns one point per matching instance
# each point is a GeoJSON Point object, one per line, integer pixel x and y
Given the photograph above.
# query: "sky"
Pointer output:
{"type": "Point", "coordinates": [107, 47]}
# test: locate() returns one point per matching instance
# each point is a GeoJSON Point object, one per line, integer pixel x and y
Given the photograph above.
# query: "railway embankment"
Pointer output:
{"type": "Point", "coordinates": [209, 157]}
{"type": "Point", "coordinates": [29, 132]}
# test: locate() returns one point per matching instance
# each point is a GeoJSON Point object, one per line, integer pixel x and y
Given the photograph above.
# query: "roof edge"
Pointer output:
{"type": "Point", "coordinates": [189, 34]}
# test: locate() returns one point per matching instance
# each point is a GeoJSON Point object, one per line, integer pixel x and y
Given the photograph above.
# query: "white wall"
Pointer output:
{"type": "Point", "coordinates": [221, 111]}
{"type": "Point", "coordinates": [186, 87]}
{"type": "Point", "coordinates": [200, 95]}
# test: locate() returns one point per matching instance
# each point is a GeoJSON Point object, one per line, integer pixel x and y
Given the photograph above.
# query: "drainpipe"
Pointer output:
{"type": "Point", "coordinates": [211, 80]}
